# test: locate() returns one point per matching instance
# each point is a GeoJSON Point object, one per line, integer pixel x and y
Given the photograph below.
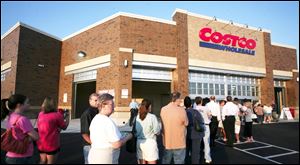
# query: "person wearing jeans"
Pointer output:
{"type": "Point", "coordinates": [85, 122]}
{"type": "Point", "coordinates": [174, 153]}
{"type": "Point", "coordinates": [206, 114]}
{"type": "Point", "coordinates": [174, 122]}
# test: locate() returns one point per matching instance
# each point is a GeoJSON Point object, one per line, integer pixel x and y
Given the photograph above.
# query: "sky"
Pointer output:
{"type": "Point", "coordinates": [64, 18]}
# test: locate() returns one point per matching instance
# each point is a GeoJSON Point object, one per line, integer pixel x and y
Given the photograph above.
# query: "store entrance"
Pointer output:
{"type": "Point", "coordinates": [157, 92]}
{"type": "Point", "coordinates": [279, 98]}
{"type": "Point", "coordinates": [82, 91]}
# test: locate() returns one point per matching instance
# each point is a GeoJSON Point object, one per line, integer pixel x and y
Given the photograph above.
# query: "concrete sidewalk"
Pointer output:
{"type": "Point", "coordinates": [74, 125]}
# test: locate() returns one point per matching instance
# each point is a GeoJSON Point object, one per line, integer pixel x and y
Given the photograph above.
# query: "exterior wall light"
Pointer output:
{"type": "Point", "coordinates": [81, 54]}
{"type": "Point", "coordinates": [125, 63]}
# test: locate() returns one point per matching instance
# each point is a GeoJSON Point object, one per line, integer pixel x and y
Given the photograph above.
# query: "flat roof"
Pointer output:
{"type": "Point", "coordinates": [138, 17]}
{"type": "Point", "coordinates": [29, 27]}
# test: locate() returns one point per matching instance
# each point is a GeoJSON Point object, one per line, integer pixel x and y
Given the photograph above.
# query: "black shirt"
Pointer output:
{"type": "Point", "coordinates": [85, 121]}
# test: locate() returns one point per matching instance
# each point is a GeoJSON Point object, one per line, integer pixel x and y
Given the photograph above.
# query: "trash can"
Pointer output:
{"type": "Point", "coordinates": [292, 110]}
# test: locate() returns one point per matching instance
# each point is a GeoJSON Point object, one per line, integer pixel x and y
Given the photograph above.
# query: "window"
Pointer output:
{"type": "Point", "coordinates": [239, 90]}
{"type": "Point", "coordinates": [257, 91]}
{"type": "Point", "coordinates": [244, 90]}
{"type": "Point", "coordinates": [192, 88]}
{"type": "Point", "coordinates": [205, 88]}
{"type": "Point", "coordinates": [229, 90]}
{"type": "Point", "coordinates": [217, 89]}
{"type": "Point", "coordinates": [211, 89]}
{"type": "Point", "coordinates": [252, 91]}
{"type": "Point", "coordinates": [248, 90]}
{"type": "Point", "coordinates": [233, 89]}
{"type": "Point", "coordinates": [199, 88]}
{"type": "Point", "coordinates": [222, 89]}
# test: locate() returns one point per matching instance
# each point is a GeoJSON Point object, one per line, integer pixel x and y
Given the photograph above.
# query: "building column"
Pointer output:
{"type": "Point", "coordinates": [180, 81]}
{"type": "Point", "coordinates": [267, 83]}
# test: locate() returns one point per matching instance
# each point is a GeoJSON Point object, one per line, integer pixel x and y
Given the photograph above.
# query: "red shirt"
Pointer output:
{"type": "Point", "coordinates": [49, 125]}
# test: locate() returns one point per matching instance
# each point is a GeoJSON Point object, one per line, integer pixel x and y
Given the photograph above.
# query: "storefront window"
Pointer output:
{"type": "Point", "coordinates": [229, 90]}
{"type": "Point", "coordinates": [192, 88]}
{"type": "Point", "coordinates": [248, 90]}
{"type": "Point", "coordinates": [217, 89]}
{"type": "Point", "coordinates": [207, 84]}
{"type": "Point", "coordinates": [233, 89]}
{"type": "Point", "coordinates": [205, 88]}
{"type": "Point", "coordinates": [222, 89]}
{"type": "Point", "coordinates": [211, 89]}
{"type": "Point", "coordinates": [199, 88]}
{"type": "Point", "coordinates": [253, 90]}
{"type": "Point", "coordinates": [244, 90]}
{"type": "Point", "coordinates": [239, 90]}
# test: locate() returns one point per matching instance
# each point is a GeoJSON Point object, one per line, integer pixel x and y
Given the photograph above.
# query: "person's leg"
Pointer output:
{"type": "Point", "coordinates": [231, 121]}
{"type": "Point", "coordinates": [196, 151]}
{"type": "Point", "coordinates": [142, 161]}
{"type": "Point", "coordinates": [167, 156]}
{"type": "Point", "coordinates": [250, 132]}
{"type": "Point", "coordinates": [224, 134]}
{"type": "Point", "coordinates": [179, 156]}
{"type": "Point", "coordinates": [51, 159]}
{"type": "Point", "coordinates": [213, 130]}
{"type": "Point", "coordinates": [206, 140]}
{"type": "Point", "coordinates": [188, 151]}
{"type": "Point", "coordinates": [151, 162]}
{"type": "Point", "coordinates": [43, 158]}
{"type": "Point", "coordinates": [86, 150]}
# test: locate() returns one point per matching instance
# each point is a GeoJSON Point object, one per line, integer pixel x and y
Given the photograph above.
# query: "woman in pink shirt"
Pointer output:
{"type": "Point", "coordinates": [14, 108]}
{"type": "Point", "coordinates": [49, 124]}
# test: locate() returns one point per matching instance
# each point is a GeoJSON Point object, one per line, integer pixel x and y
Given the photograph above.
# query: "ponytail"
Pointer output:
{"type": "Point", "coordinates": [11, 104]}
{"type": "Point", "coordinates": [4, 109]}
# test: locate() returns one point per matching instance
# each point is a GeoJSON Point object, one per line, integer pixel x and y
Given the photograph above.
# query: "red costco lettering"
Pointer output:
{"type": "Point", "coordinates": [206, 34]}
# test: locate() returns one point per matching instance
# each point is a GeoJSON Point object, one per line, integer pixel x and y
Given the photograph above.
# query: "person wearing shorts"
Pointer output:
{"type": "Point", "coordinates": [146, 128]}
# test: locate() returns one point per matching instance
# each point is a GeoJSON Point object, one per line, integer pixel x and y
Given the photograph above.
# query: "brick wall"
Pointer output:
{"type": "Point", "coordinates": [34, 81]}
{"type": "Point", "coordinates": [98, 41]}
{"type": "Point", "coordinates": [267, 84]}
{"type": "Point", "coordinates": [180, 80]}
{"type": "Point", "coordinates": [9, 52]}
{"type": "Point", "coordinates": [148, 37]}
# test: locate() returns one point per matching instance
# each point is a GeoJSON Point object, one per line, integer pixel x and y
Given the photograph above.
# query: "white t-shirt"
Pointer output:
{"type": "Point", "coordinates": [103, 131]}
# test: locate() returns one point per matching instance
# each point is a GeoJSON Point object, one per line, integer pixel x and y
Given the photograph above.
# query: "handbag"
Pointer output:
{"type": "Point", "coordinates": [199, 127]}
{"type": "Point", "coordinates": [131, 144]}
{"type": "Point", "coordinates": [10, 144]}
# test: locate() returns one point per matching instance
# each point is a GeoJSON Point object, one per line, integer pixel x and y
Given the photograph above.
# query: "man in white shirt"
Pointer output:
{"type": "Point", "coordinates": [206, 114]}
{"type": "Point", "coordinates": [229, 111]}
{"type": "Point", "coordinates": [216, 117]}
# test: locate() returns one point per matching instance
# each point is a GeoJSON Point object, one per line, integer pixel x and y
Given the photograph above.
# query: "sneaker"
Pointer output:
{"type": "Point", "coordinates": [225, 140]}
{"type": "Point", "coordinates": [238, 141]}
{"type": "Point", "coordinates": [207, 162]}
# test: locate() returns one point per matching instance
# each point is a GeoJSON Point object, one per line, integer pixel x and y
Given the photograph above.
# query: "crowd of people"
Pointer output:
{"type": "Point", "coordinates": [184, 125]}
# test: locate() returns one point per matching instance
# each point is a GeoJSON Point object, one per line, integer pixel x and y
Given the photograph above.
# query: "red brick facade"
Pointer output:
{"type": "Point", "coordinates": [27, 48]}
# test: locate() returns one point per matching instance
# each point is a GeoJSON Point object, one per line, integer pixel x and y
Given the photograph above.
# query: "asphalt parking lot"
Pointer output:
{"type": "Point", "coordinates": [275, 143]}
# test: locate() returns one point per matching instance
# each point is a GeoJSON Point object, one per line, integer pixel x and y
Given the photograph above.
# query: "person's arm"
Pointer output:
{"type": "Point", "coordinates": [33, 135]}
{"type": "Point", "coordinates": [67, 121]}
{"type": "Point", "coordinates": [85, 122]}
{"type": "Point", "coordinates": [86, 137]}
{"type": "Point", "coordinates": [218, 112]}
{"type": "Point", "coordinates": [186, 120]}
{"type": "Point", "coordinates": [156, 126]}
{"type": "Point", "coordinates": [122, 141]}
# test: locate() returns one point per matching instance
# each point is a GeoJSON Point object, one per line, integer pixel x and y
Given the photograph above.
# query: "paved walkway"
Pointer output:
{"type": "Point", "coordinates": [74, 126]}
